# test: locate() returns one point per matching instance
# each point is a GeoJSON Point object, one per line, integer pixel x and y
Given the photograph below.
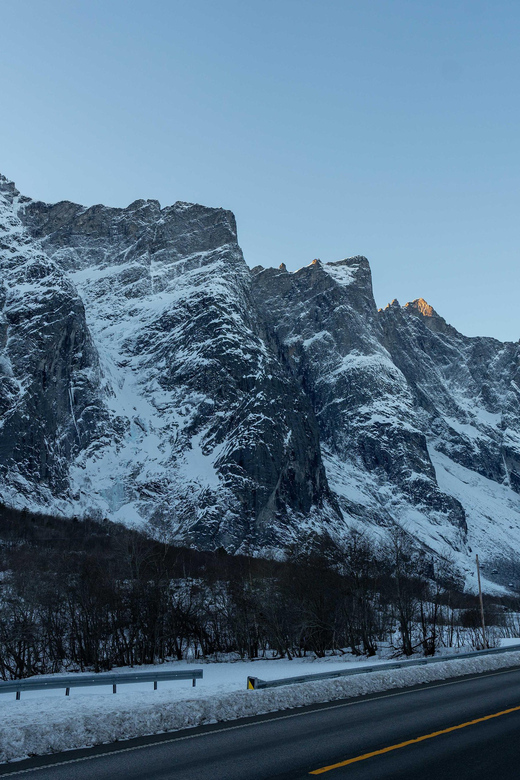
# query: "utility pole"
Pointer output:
{"type": "Point", "coordinates": [485, 644]}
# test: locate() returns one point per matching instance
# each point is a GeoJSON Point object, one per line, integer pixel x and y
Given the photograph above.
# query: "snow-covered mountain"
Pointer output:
{"type": "Point", "coordinates": [147, 375]}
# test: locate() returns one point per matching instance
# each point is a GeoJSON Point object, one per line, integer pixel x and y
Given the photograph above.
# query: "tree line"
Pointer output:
{"type": "Point", "coordinates": [86, 595]}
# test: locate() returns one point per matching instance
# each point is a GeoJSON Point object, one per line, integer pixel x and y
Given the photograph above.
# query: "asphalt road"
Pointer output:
{"type": "Point", "coordinates": [296, 744]}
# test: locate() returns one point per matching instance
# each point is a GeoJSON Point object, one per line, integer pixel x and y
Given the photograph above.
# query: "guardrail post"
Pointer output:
{"type": "Point", "coordinates": [67, 691]}
{"type": "Point", "coordinates": [193, 683]}
{"type": "Point", "coordinates": [114, 688]}
{"type": "Point", "coordinates": [17, 695]}
{"type": "Point", "coordinates": [251, 683]}
{"type": "Point", "coordinates": [155, 685]}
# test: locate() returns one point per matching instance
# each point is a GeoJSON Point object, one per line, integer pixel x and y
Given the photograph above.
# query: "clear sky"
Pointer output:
{"type": "Point", "coordinates": [389, 128]}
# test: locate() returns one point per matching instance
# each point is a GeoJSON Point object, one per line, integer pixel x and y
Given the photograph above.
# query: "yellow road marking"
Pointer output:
{"type": "Point", "coordinates": [412, 741]}
{"type": "Point", "coordinates": [354, 703]}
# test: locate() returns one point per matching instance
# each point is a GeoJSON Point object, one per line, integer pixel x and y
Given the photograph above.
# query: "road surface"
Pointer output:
{"type": "Point", "coordinates": [461, 729]}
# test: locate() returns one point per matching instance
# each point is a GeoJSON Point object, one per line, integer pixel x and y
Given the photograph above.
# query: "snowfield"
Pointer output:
{"type": "Point", "coordinates": [49, 722]}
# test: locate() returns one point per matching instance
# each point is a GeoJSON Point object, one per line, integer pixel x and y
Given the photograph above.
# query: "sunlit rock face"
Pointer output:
{"type": "Point", "coordinates": [147, 375]}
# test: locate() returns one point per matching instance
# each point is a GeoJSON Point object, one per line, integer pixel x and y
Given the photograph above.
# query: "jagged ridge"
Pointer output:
{"type": "Point", "coordinates": [147, 375]}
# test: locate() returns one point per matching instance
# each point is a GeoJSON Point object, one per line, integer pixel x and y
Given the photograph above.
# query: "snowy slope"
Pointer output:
{"type": "Point", "coordinates": [492, 511]}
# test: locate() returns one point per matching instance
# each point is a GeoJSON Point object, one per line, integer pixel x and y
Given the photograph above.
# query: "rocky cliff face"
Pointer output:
{"type": "Point", "coordinates": [147, 375]}
{"type": "Point", "coordinates": [194, 425]}
{"type": "Point", "coordinates": [50, 407]}
{"type": "Point", "coordinates": [374, 446]}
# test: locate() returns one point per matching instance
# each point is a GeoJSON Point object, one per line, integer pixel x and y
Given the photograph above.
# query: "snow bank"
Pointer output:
{"type": "Point", "coordinates": [37, 727]}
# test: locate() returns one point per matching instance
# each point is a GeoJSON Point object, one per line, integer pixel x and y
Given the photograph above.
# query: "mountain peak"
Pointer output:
{"type": "Point", "coordinates": [420, 306]}
{"type": "Point", "coordinates": [433, 321]}
{"type": "Point", "coordinates": [8, 188]}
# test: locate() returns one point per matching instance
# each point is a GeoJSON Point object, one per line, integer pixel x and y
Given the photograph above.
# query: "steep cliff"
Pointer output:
{"type": "Point", "coordinates": [201, 431]}
{"type": "Point", "coordinates": [148, 376]}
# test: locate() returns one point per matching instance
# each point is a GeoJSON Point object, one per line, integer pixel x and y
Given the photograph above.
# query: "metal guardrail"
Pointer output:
{"type": "Point", "coordinates": [254, 683]}
{"type": "Point", "coordinates": [102, 678]}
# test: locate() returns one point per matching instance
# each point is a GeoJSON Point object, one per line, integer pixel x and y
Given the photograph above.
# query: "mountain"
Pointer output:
{"type": "Point", "coordinates": [148, 376]}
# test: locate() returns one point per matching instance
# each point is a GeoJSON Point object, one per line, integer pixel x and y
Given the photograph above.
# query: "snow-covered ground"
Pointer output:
{"type": "Point", "coordinates": [219, 678]}
{"type": "Point", "coordinates": [47, 722]}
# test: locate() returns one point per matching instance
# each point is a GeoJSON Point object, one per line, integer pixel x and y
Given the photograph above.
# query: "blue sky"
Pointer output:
{"type": "Point", "coordinates": [331, 128]}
